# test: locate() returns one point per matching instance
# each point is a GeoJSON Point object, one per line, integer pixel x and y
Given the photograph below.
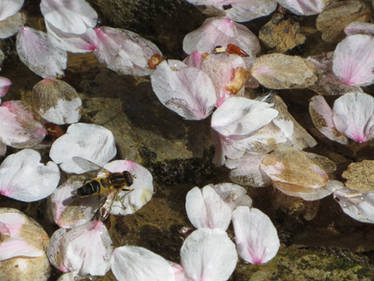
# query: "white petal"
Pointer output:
{"type": "Point", "coordinates": [9, 8]}
{"type": "Point", "coordinates": [354, 116]}
{"type": "Point", "coordinates": [18, 248]}
{"type": "Point", "coordinates": [255, 235]}
{"type": "Point", "coordinates": [4, 85]}
{"type": "Point", "coordinates": [89, 141]}
{"type": "Point", "coordinates": [359, 27]}
{"type": "Point", "coordinates": [186, 90]}
{"type": "Point", "coordinates": [12, 25]}
{"type": "Point", "coordinates": [322, 117]}
{"type": "Point", "coordinates": [234, 195]}
{"type": "Point", "coordinates": [353, 60]}
{"type": "Point", "coordinates": [24, 178]}
{"type": "Point", "coordinates": [304, 7]}
{"type": "Point", "coordinates": [85, 249]}
{"type": "Point", "coordinates": [39, 54]}
{"type": "Point", "coordinates": [206, 209]}
{"type": "Point", "coordinates": [209, 255]}
{"type": "Point", "coordinates": [221, 32]}
{"type": "Point", "coordinates": [141, 188]}
{"type": "Point", "coordinates": [247, 10]}
{"type": "Point", "coordinates": [124, 51]}
{"type": "Point", "coordinates": [131, 263]}
{"type": "Point", "coordinates": [239, 116]}
{"type": "Point", "coordinates": [70, 16]}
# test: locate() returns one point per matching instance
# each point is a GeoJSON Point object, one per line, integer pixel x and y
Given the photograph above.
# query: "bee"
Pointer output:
{"type": "Point", "coordinates": [104, 183]}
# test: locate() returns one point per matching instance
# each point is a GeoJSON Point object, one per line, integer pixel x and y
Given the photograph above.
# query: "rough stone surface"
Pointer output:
{"type": "Point", "coordinates": [360, 175]}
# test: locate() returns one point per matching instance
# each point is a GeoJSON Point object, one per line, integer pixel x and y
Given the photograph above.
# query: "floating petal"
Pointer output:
{"type": "Point", "coordinates": [304, 7]}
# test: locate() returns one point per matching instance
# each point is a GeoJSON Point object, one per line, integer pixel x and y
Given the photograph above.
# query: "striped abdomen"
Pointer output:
{"type": "Point", "coordinates": [89, 188]}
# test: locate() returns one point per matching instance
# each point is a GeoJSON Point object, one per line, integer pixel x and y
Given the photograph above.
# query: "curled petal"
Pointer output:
{"type": "Point", "coordinates": [89, 141]}
{"type": "Point", "coordinates": [206, 209]}
{"type": "Point", "coordinates": [186, 90]}
{"type": "Point", "coordinates": [39, 54]}
{"type": "Point", "coordinates": [70, 16]}
{"type": "Point", "coordinates": [239, 116]}
{"type": "Point", "coordinates": [24, 178]}
{"type": "Point", "coordinates": [221, 32]}
{"type": "Point", "coordinates": [354, 116]}
{"type": "Point", "coordinates": [353, 60]}
{"type": "Point", "coordinates": [131, 263]}
{"type": "Point", "coordinates": [85, 249]}
{"type": "Point", "coordinates": [209, 255]}
{"type": "Point", "coordinates": [255, 235]}
{"type": "Point", "coordinates": [19, 129]}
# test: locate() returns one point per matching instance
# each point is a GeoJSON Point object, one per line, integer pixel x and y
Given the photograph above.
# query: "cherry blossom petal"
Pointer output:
{"type": "Point", "coordinates": [124, 51]}
{"type": "Point", "coordinates": [304, 7]}
{"type": "Point", "coordinates": [209, 255]}
{"type": "Point", "coordinates": [234, 195]}
{"type": "Point", "coordinates": [5, 84]}
{"type": "Point", "coordinates": [12, 25]}
{"type": "Point", "coordinates": [131, 263]}
{"type": "Point", "coordinates": [359, 27]}
{"type": "Point", "coordinates": [85, 249]}
{"type": "Point", "coordinates": [186, 90]}
{"type": "Point", "coordinates": [89, 141]}
{"type": "Point", "coordinates": [73, 43]}
{"type": "Point", "coordinates": [56, 101]}
{"type": "Point", "coordinates": [141, 188]}
{"type": "Point", "coordinates": [322, 117]}
{"type": "Point", "coordinates": [9, 8]}
{"type": "Point", "coordinates": [69, 210]}
{"type": "Point", "coordinates": [357, 205]}
{"type": "Point", "coordinates": [240, 10]}
{"type": "Point", "coordinates": [239, 116]}
{"type": "Point", "coordinates": [70, 16]}
{"type": "Point", "coordinates": [39, 54]}
{"type": "Point", "coordinates": [228, 73]}
{"type": "Point", "coordinates": [255, 235]}
{"type": "Point", "coordinates": [19, 129]}
{"type": "Point", "coordinates": [354, 116]}
{"type": "Point", "coordinates": [24, 178]}
{"type": "Point", "coordinates": [206, 209]}
{"type": "Point", "coordinates": [353, 60]}
{"type": "Point", "coordinates": [221, 32]}
{"type": "Point", "coordinates": [246, 171]}
{"type": "Point", "coordinates": [17, 248]}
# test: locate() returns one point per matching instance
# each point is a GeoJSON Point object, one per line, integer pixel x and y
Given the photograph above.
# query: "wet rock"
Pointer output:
{"type": "Point", "coordinates": [332, 21]}
{"type": "Point", "coordinates": [281, 33]}
{"type": "Point", "coordinates": [278, 71]}
{"type": "Point", "coordinates": [360, 175]}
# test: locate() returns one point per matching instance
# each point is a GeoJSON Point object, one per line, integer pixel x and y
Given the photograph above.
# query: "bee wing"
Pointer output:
{"type": "Point", "coordinates": [86, 165]}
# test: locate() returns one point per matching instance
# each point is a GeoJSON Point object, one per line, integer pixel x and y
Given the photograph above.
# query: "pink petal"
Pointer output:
{"type": "Point", "coordinates": [239, 116]}
{"type": "Point", "coordinates": [255, 235]}
{"type": "Point", "coordinates": [141, 188]}
{"type": "Point", "coordinates": [304, 7]}
{"type": "Point", "coordinates": [9, 8]}
{"type": "Point", "coordinates": [85, 249]}
{"type": "Point", "coordinates": [24, 178]}
{"type": "Point", "coordinates": [89, 141]}
{"type": "Point", "coordinates": [124, 51]}
{"type": "Point", "coordinates": [322, 117]}
{"type": "Point", "coordinates": [73, 43]}
{"type": "Point", "coordinates": [131, 263]}
{"type": "Point", "coordinates": [354, 116]}
{"type": "Point", "coordinates": [205, 208]}
{"type": "Point", "coordinates": [221, 32]}
{"type": "Point", "coordinates": [70, 16]}
{"type": "Point", "coordinates": [186, 90]}
{"type": "Point", "coordinates": [5, 84]}
{"type": "Point", "coordinates": [208, 255]}
{"type": "Point", "coordinates": [11, 223]}
{"type": "Point", "coordinates": [19, 129]}
{"type": "Point", "coordinates": [353, 60]}
{"type": "Point", "coordinates": [358, 27]}
{"type": "Point", "coordinates": [39, 54]}
{"type": "Point", "coordinates": [18, 248]}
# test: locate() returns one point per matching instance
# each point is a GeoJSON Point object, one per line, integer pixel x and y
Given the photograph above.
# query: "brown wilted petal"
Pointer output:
{"type": "Point", "coordinates": [278, 71]}
{"type": "Point", "coordinates": [360, 175]}
{"type": "Point", "coordinates": [332, 21]}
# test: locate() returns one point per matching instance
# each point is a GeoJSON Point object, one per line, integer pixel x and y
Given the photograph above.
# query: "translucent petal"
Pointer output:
{"type": "Point", "coordinates": [9, 8]}
{"type": "Point", "coordinates": [12, 25]}
{"type": "Point", "coordinates": [304, 7]}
